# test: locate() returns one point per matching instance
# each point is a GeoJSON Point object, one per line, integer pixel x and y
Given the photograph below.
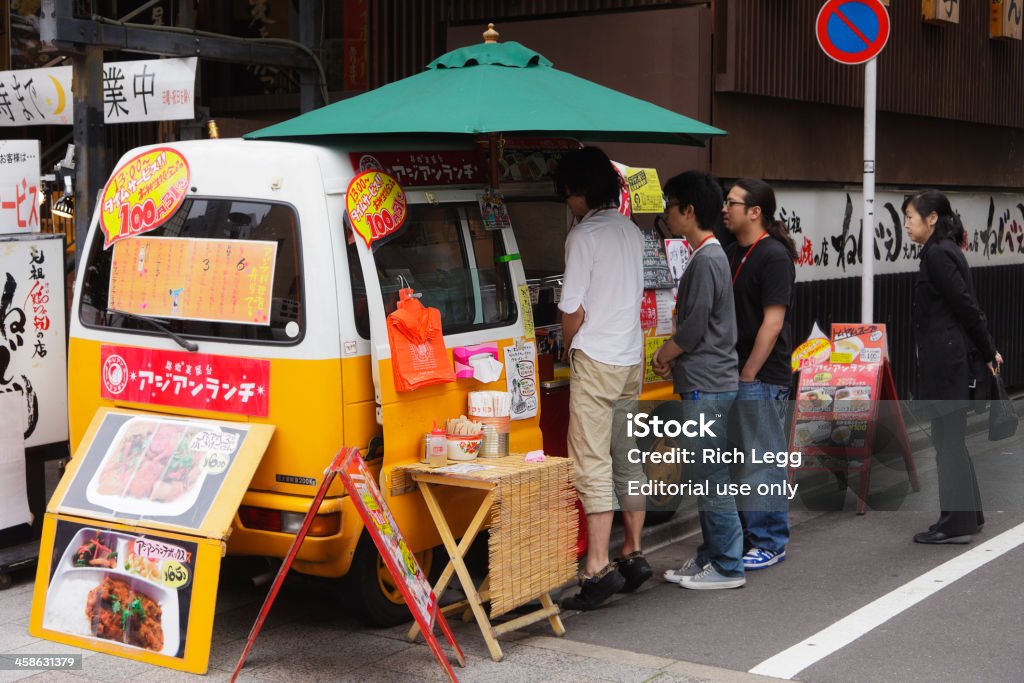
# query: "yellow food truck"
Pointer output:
{"type": "Point", "coordinates": [162, 322]}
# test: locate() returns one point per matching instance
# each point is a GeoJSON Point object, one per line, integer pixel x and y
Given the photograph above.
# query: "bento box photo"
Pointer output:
{"type": "Point", "coordinates": [104, 587]}
{"type": "Point", "coordinates": [154, 467]}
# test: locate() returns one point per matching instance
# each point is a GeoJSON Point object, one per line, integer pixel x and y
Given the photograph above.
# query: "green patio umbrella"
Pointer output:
{"type": "Point", "coordinates": [496, 88]}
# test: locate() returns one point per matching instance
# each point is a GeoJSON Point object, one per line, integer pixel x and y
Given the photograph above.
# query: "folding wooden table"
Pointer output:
{"type": "Point", "coordinates": [532, 546]}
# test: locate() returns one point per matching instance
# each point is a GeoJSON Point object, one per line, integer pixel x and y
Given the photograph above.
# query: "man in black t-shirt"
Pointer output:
{"type": "Point", "coordinates": [762, 261]}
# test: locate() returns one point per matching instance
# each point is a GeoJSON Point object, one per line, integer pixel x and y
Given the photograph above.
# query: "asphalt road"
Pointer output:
{"type": "Point", "coordinates": [971, 628]}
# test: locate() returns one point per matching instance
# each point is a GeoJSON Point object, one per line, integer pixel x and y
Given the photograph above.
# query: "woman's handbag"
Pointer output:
{"type": "Point", "coordinates": [1002, 418]}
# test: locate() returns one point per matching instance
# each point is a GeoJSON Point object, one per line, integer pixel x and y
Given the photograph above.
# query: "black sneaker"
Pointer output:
{"type": "Point", "coordinates": [635, 570]}
{"type": "Point", "coordinates": [595, 590]}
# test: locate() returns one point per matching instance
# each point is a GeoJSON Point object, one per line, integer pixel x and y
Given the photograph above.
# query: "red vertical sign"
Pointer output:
{"type": "Point", "coordinates": [354, 30]}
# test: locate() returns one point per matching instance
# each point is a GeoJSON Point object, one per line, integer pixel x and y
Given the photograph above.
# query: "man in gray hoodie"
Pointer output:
{"type": "Point", "coordinates": [701, 357]}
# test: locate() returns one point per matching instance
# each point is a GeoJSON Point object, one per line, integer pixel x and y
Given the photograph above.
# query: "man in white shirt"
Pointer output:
{"type": "Point", "coordinates": [601, 295]}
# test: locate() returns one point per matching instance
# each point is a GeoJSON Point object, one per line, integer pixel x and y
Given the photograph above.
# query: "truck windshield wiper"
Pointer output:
{"type": "Point", "coordinates": [178, 339]}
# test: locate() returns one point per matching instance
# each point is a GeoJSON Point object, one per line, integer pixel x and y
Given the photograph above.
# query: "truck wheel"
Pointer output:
{"type": "Point", "coordinates": [372, 591]}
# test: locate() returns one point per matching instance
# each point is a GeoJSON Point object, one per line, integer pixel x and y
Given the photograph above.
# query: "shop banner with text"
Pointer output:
{"type": "Point", "coordinates": [19, 186]}
{"type": "Point", "coordinates": [198, 381]}
{"type": "Point", "coordinates": [33, 345]}
{"type": "Point", "coordinates": [142, 90]}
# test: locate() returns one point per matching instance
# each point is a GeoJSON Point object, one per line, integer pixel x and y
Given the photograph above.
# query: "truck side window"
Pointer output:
{"type": "Point", "coordinates": [447, 257]}
{"type": "Point", "coordinates": [213, 220]}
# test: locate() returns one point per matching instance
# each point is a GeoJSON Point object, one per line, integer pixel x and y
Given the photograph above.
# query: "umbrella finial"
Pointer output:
{"type": "Point", "coordinates": [490, 35]}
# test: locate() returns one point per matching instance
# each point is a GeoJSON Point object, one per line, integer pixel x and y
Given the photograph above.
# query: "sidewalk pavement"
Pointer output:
{"type": "Point", "coordinates": [308, 637]}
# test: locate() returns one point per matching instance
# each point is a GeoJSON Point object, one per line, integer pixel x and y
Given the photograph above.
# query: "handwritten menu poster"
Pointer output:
{"type": "Point", "coordinates": [521, 379]}
{"type": "Point", "coordinates": [657, 274]}
{"type": "Point", "coordinates": [194, 279]}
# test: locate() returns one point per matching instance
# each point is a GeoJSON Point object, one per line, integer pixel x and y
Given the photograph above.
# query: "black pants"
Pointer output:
{"type": "Point", "coordinates": [959, 498]}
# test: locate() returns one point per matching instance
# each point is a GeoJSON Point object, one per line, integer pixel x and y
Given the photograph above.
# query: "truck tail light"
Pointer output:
{"type": "Point", "coordinates": [265, 519]}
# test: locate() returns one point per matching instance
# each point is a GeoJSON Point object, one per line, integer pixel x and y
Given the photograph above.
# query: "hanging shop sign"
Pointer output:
{"type": "Point", "coordinates": [33, 347]}
{"type": "Point", "coordinates": [143, 194]}
{"type": "Point", "coordinates": [142, 90]}
{"type": "Point", "coordinates": [19, 186]}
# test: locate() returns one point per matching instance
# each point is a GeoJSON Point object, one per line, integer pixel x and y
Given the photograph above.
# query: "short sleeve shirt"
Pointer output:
{"type": "Point", "coordinates": [766, 278]}
{"type": "Point", "coordinates": [604, 274]}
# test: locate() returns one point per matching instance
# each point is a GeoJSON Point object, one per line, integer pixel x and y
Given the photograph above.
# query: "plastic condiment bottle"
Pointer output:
{"type": "Point", "coordinates": [438, 451]}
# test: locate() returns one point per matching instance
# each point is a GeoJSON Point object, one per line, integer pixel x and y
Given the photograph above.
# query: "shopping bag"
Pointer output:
{"type": "Point", "coordinates": [1002, 418]}
{"type": "Point", "coordinates": [418, 354]}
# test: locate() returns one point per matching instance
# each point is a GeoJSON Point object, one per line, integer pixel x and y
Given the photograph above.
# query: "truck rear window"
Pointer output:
{"type": "Point", "coordinates": [233, 267]}
{"type": "Point", "coordinates": [447, 256]}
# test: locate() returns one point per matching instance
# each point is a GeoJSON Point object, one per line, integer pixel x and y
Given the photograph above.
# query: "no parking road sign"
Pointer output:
{"type": "Point", "coordinates": [852, 31]}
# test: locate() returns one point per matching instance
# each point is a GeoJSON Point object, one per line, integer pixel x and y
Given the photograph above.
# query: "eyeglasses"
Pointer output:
{"type": "Point", "coordinates": [668, 207]}
{"type": "Point", "coordinates": [729, 203]}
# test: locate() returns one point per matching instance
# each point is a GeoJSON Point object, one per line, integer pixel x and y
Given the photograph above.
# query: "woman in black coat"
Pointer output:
{"type": "Point", "coordinates": [950, 330]}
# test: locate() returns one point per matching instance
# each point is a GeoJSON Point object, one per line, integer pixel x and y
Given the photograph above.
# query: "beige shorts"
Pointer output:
{"type": "Point", "coordinates": [600, 396]}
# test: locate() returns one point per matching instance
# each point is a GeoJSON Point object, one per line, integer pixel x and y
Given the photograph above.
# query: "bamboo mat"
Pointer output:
{"type": "Point", "coordinates": [533, 526]}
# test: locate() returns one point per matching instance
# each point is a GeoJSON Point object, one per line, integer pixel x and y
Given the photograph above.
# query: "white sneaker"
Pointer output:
{"type": "Point", "coordinates": [689, 568]}
{"type": "Point", "coordinates": [709, 579]}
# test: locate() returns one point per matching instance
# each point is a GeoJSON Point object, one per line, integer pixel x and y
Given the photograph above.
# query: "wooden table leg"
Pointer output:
{"type": "Point", "coordinates": [555, 620]}
{"type": "Point", "coordinates": [457, 553]}
{"type": "Point", "coordinates": [467, 540]}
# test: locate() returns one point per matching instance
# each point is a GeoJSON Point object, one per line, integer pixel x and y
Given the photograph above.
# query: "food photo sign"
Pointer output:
{"type": "Point", "coordinates": [134, 534]}
{"type": "Point", "coordinates": [176, 474]}
{"type": "Point", "coordinates": [128, 592]}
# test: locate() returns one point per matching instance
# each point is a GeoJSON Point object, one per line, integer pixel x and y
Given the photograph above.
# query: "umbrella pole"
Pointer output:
{"type": "Point", "coordinates": [492, 142]}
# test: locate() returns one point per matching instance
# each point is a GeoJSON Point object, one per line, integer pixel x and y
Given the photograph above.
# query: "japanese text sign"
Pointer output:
{"type": "Point", "coordinates": [33, 350]}
{"type": "Point", "coordinates": [644, 190]}
{"type": "Point", "coordinates": [19, 186]}
{"type": "Point", "coordinates": [194, 279]}
{"type": "Point", "coordinates": [376, 206]}
{"type": "Point", "coordinates": [411, 169]}
{"type": "Point", "coordinates": [101, 586]}
{"type": "Point", "coordinates": [143, 194]}
{"type": "Point", "coordinates": [143, 90]}
{"type": "Point", "coordinates": [162, 472]}
{"type": "Point", "coordinates": [185, 380]}
{"type": "Point", "coordinates": [857, 343]}
{"type": "Point", "coordinates": [368, 501]}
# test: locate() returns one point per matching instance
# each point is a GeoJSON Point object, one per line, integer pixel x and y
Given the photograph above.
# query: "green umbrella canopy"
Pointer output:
{"type": "Point", "coordinates": [496, 88]}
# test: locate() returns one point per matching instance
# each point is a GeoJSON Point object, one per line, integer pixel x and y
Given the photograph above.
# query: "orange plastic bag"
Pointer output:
{"type": "Point", "coordinates": [418, 354]}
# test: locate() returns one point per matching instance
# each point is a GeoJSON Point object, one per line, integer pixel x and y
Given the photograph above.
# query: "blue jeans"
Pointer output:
{"type": "Point", "coordinates": [761, 415]}
{"type": "Point", "coordinates": [722, 544]}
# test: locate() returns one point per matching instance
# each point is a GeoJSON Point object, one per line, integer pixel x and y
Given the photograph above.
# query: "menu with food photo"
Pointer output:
{"type": "Point", "coordinates": [145, 467]}
{"type": "Point", "coordinates": [130, 592]}
{"type": "Point", "coordinates": [130, 589]}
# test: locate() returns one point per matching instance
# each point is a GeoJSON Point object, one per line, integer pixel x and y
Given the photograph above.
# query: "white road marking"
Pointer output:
{"type": "Point", "coordinates": [792, 661]}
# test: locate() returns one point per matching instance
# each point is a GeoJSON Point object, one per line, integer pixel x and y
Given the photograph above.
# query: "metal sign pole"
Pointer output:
{"type": "Point", "coordinates": [867, 241]}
